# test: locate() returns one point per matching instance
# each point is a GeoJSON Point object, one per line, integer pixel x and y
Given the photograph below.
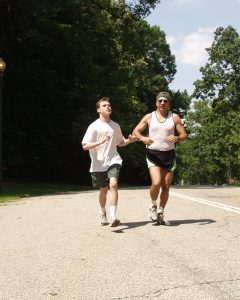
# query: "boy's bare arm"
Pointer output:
{"type": "Point", "coordinates": [92, 145]}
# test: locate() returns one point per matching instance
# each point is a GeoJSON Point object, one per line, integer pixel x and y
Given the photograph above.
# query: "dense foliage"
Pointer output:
{"type": "Point", "coordinates": [61, 57]}
{"type": "Point", "coordinates": [212, 154]}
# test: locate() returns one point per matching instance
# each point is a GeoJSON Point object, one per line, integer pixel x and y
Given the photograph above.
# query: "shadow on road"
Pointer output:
{"type": "Point", "coordinates": [131, 225]}
{"type": "Point", "coordinates": [190, 221]}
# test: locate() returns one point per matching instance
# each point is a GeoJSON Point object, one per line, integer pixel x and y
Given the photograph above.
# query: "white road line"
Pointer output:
{"type": "Point", "coordinates": [207, 202]}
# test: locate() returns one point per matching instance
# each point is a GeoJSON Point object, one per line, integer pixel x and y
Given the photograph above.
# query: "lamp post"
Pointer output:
{"type": "Point", "coordinates": [2, 69]}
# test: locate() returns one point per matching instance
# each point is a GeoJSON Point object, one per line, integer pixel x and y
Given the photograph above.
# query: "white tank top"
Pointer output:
{"type": "Point", "coordinates": [159, 132]}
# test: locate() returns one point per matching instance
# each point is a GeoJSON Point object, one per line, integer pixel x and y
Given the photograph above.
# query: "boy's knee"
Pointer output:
{"type": "Point", "coordinates": [103, 191]}
{"type": "Point", "coordinates": [156, 185]}
{"type": "Point", "coordinates": [113, 184]}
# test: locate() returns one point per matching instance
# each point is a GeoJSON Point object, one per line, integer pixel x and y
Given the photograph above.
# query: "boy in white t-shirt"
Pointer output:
{"type": "Point", "coordinates": [102, 138]}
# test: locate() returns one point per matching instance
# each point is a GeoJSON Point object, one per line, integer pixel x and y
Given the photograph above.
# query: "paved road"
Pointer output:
{"type": "Point", "coordinates": [53, 248]}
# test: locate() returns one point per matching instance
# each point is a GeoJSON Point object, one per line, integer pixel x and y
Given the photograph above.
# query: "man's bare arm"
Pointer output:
{"type": "Point", "coordinates": [142, 125]}
{"type": "Point", "coordinates": [182, 135]}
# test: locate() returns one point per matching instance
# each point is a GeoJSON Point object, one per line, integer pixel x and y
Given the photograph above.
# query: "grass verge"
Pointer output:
{"type": "Point", "coordinates": [15, 191]}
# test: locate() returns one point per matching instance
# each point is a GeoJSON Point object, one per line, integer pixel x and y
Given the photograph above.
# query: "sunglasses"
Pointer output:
{"type": "Point", "coordinates": [165, 101]}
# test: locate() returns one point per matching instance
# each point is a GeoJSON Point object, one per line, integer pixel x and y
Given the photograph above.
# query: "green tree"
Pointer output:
{"type": "Point", "coordinates": [62, 56]}
{"type": "Point", "coordinates": [212, 154]}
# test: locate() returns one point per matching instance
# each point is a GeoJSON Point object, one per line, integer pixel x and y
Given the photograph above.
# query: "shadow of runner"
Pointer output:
{"type": "Point", "coordinates": [130, 225]}
{"type": "Point", "coordinates": [190, 221]}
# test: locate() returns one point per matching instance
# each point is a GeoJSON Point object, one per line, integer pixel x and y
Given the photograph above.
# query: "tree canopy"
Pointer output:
{"type": "Point", "coordinates": [213, 152]}
{"type": "Point", "coordinates": [61, 57]}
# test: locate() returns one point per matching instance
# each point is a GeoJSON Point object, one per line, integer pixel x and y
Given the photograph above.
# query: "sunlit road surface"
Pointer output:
{"type": "Point", "coordinates": [52, 247]}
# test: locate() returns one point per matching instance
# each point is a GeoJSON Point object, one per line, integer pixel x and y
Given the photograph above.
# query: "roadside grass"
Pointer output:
{"type": "Point", "coordinates": [16, 191]}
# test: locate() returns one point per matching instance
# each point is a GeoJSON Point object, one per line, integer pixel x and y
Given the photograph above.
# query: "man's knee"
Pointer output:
{"type": "Point", "coordinates": [165, 187]}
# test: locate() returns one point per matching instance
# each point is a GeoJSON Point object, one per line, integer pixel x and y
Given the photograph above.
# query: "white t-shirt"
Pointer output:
{"type": "Point", "coordinates": [104, 155]}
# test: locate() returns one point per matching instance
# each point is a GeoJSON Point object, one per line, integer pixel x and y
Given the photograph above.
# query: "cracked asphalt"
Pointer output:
{"type": "Point", "coordinates": [52, 247]}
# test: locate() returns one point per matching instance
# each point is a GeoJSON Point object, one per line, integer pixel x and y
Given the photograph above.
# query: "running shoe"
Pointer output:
{"type": "Point", "coordinates": [114, 223]}
{"type": "Point", "coordinates": [160, 219]}
{"type": "Point", "coordinates": [153, 213]}
{"type": "Point", "coordinates": [103, 219]}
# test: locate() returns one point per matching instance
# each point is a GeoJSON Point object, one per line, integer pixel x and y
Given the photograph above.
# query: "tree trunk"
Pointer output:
{"type": "Point", "coordinates": [5, 7]}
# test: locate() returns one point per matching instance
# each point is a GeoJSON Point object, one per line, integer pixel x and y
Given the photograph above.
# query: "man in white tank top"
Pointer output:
{"type": "Point", "coordinates": [162, 125]}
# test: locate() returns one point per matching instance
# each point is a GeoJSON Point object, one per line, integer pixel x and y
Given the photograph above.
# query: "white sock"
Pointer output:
{"type": "Point", "coordinates": [154, 203]}
{"type": "Point", "coordinates": [102, 210]}
{"type": "Point", "coordinates": [161, 210]}
{"type": "Point", "coordinates": [112, 211]}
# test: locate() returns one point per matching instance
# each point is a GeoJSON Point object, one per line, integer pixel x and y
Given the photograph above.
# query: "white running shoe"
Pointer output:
{"type": "Point", "coordinates": [103, 219]}
{"type": "Point", "coordinates": [153, 213]}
